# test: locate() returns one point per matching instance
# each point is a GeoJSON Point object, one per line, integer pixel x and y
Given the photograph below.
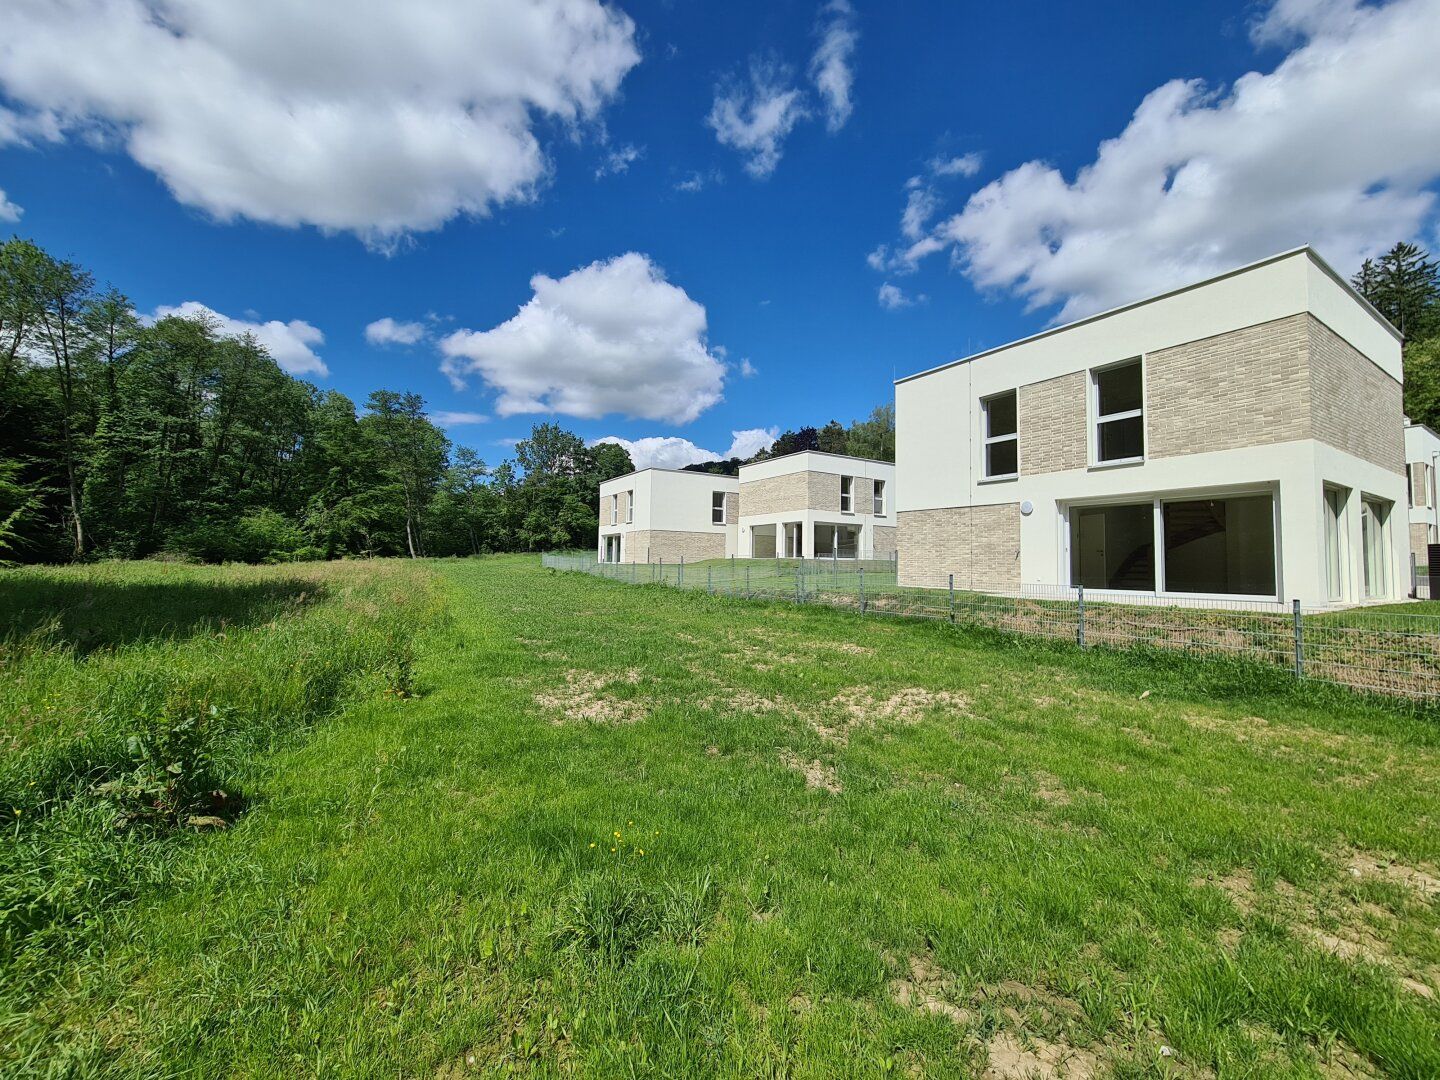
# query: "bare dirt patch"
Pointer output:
{"type": "Point", "coordinates": [1049, 789]}
{"type": "Point", "coordinates": [925, 986]}
{"type": "Point", "coordinates": [1333, 923]}
{"type": "Point", "coordinates": [863, 707]}
{"type": "Point", "coordinates": [817, 774]}
{"type": "Point", "coordinates": [584, 700]}
{"type": "Point", "coordinates": [1008, 1057]}
{"type": "Point", "coordinates": [747, 701]}
{"type": "Point", "coordinates": [1018, 1054]}
{"type": "Point", "coordinates": [1364, 864]}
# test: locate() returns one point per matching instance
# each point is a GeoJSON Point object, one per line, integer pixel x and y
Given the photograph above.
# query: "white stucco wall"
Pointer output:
{"type": "Point", "coordinates": [667, 500]}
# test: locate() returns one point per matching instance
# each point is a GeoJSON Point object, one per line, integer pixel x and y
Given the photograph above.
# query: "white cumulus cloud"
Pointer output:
{"type": "Point", "coordinates": [893, 298]}
{"type": "Point", "coordinates": [381, 121]}
{"type": "Point", "coordinates": [8, 210]}
{"type": "Point", "coordinates": [672, 452]}
{"type": "Point", "coordinates": [1336, 147]}
{"type": "Point", "coordinates": [388, 331]}
{"type": "Point", "coordinates": [757, 117]}
{"type": "Point", "coordinates": [831, 66]}
{"type": "Point", "coordinates": [611, 337]}
{"type": "Point", "coordinates": [292, 343]}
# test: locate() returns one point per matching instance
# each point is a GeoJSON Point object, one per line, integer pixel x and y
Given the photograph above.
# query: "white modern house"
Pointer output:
{"type": "Point", "coordinates": [656, 515]}
{"type": "Point", "coordinates": [1422, 458]}
{"type": "Point", "coordinates": [1239, 437]}
{"type": "Point", "coordinates": [817, 506]}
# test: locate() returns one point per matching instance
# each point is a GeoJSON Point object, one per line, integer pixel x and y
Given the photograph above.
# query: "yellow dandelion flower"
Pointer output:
{"type": "Point", "coordinates": [642, 851]}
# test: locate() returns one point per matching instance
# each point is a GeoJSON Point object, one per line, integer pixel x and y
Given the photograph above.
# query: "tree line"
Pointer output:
{"type": "Point", "coordinates": [1404, 286]}
{"type": "Point", "coordinates": [873, 437]}
{"type": "Point", "coordinates": [122, 438]}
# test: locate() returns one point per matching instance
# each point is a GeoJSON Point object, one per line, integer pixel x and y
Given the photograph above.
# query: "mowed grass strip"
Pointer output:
{"type": "Point", "coordinates": [628, 830]}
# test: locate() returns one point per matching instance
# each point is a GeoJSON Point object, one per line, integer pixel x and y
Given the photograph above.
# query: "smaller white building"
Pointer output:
{"type": "Point", "coordinates": [815, 505]}
{"type": "Point", "coordinates": [665, 515]}
{"type": "Point", "coordinates": [1422, 458]}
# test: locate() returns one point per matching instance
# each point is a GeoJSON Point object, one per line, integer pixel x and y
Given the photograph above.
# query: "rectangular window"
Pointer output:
{"type": "Point", "coordinates": [629, 507]}
{"type": "Point", "coordinates": [1334, 543]}
{"type": "Point", "coordinates": [1002, 439]}
{"type": "Point", "coordinates": [1374, 522]}
{"type": "Point", "coordinates": [847, 494]}
{"type": "Point", "coordinates": [614, 509]}
{"type": "Point", "coordinates": [717, 508]}
{"type": "Point", "coordinates": [879, 508]}
{"type": "Point", "coordinates": [1113, 547]}
{"type": "Point", "coordinates": [1222, 546]}
{"type": "Point", "coordinates": [836, 541]}
{"type": "Point", "coordinates": [1119, 413]}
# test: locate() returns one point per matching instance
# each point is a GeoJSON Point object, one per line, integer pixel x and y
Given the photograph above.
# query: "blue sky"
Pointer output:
{"type": "Point", "coordinates": [423, 165]}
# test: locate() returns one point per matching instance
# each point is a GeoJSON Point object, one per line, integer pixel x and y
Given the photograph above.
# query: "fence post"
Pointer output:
{"type": "Point", "coordinates": [680, 574]}
{"type": "Point", "coordinates": [1414, 578]}
{"type": "Point", "coordinates": [732, 577]}
{"type": "Point", "coordinates": [797, 585]}
{"type": "Point", "coordinates": [1080, 615]}
{"type": "Point", "coordinates": [1299, 643]}
{"type": "Point", "coordinates": [952, 599]}
{"type": "Point", "coordinates": [709, 582]}
{"type": "Point", "coordinates": [862, 590]}
{"type": "Point", "coordinates": [747, 581]}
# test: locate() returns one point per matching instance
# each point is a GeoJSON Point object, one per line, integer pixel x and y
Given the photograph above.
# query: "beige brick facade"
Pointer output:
{"type": "Point", "coordinates": [653, 545]}
{"type": "Point", "coordinates": [1053, 418]}
{"type": "Point", "coordinates": [1249, 387]}
{"type": "Point", "coordinates": [1357, 407]}
{"type": "Point", "coordinates": [1419, 541]}
{"type": "Point", "coordinates": [980, 545]}
{"type": "Point", "coordinates": [732, 507]}
{"type": "Point", "coordinates": [882, 543]}
{"type": "Point", "coordinates": [803, 490]}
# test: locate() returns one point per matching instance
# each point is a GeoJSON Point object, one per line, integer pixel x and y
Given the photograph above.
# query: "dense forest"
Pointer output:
{"type": "Point", "coordinates": [128, 438]}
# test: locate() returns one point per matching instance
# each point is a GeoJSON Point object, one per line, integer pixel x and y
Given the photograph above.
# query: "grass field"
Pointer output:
{"type": "Point", "coordinates": [478, 817]}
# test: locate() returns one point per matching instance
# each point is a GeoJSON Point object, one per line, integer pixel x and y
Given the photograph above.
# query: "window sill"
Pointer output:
{"type": "Point", "coordinates": [1118, 463]}
{"type": "Point", "coordinates": [1005, 479]}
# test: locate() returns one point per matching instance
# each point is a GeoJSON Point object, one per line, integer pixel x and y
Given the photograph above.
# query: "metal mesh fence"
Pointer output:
{"type": "Point", "coordinates": [1377, 649]}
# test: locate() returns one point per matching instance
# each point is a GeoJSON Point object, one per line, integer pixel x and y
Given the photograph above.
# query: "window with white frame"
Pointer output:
{"type": "Point", "coordinates": [615, 509]}
{"type": "Point", "coordinates": [629, 507]}
{"type": "Point", "coordinates": [879, 506]}
{"type": "Point", "coordinates": [717, 508]}
{"type": "Point", "coordinates": [847, 494]}
{"type": "Point", "coordinates": [1002, 438]}
{"type": "Point", "coordinates": [1119, 409]}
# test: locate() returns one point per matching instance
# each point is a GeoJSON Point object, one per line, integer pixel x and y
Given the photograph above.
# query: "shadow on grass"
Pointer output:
{"type": "Point", "coordinates": [90, 614]}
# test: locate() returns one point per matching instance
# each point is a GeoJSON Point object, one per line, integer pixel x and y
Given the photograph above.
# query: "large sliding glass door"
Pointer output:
{"type": "Point", "coordinates": [1334, 543]}
{"type": "Point", "coordinates": [1214, 546]}
{"type": "Point", "coordinates": [836, 541]}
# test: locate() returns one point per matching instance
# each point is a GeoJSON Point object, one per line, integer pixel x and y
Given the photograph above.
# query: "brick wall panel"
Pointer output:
{"type": "Point", "coordinates": [1053, 417]}
{"type": "Point", "coordinates": [980, 545]}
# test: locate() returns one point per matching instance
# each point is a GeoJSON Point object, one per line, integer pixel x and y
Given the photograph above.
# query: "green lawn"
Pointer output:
{"type": "Point", "coordinates": [488, 817]}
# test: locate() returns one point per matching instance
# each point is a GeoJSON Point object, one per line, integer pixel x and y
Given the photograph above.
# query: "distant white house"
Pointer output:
{"type": "Point", "coordinates": [810, 505]}
{"type": "Point", "coordinates": [817, 506]}
{"type": "Point", "coordinates": [1239, 437]}
{"type": "Point", "coordinates": [656, 515]}
{"type": "Point", "coordinates": [1422, 457]}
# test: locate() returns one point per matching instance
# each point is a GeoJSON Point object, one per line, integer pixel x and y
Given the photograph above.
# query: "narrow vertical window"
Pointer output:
{"type": "Point", "coordinates": [1374, 549]}
{"type": "Point", "coordinates": [1119, 413]}
{"type": "Point", "coordinates": [847, 494]}
{"type": "Point", "coordinates": [717, 508]}
{"type": "Point", "coordinates": [629, 507]}
{"type": "Point", "coordinates": [879, 508]}
{"type": "Point", "coordinates": [1002, 439]}
{"type": "Point", "coordinates": [614, 509]}
{"type": "Point", "coordinates": [1334, 543]}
